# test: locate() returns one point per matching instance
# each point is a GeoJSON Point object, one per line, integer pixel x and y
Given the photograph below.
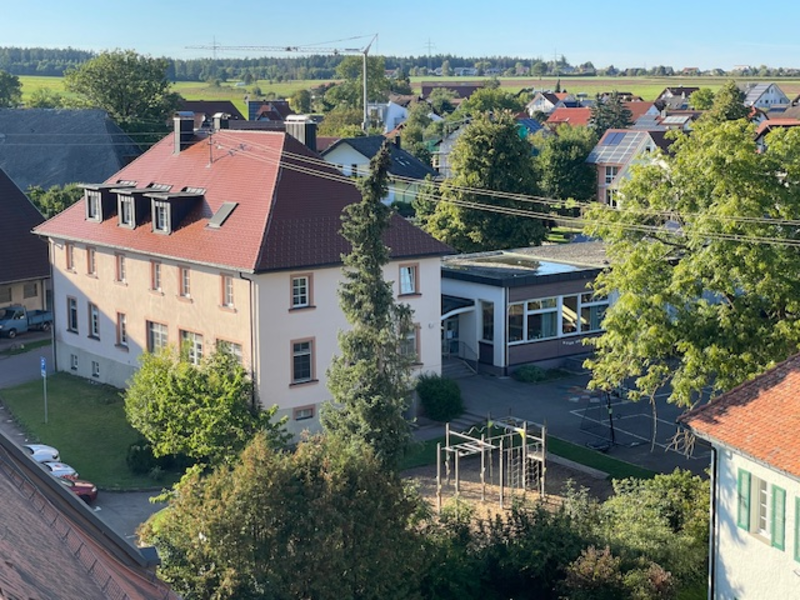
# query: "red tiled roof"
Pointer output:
{"type": "Point", "coordinates": [573, 116]}
{"type": "Point", "coordinates": [638, 108]}
{"type": "Point", "coordinates": [766, 126]}
{"type": "Point", "coordinates": [286, 217]}
{"type": "Point", "coordinates": [760, 418]}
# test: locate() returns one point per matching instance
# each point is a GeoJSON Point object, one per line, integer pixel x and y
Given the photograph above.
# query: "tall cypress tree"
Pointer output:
{"type": "Point", "coordinates": [371, 379]}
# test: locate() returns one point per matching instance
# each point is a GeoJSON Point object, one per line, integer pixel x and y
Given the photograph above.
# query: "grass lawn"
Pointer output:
{"type": "Point", "coordinates": [23, 346]}
{"type": "Point", "coordinates": [425, 454]}
{"type": "Point", "coordinates": [86, 422]}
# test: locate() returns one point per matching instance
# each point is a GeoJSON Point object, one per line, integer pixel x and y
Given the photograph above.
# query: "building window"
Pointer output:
{"type": "Point", "coordinates": [5, 293]}
{"type": "Point", "coordinates": [611, 173]}
{"type": "Point", "coordinates": [30, 290]}
{"type": "Point", "coordinates": [70, 253]}
{"type": "Point", "coordinates": [93, 212]}
{"type": "Point", "coordinates": [409, 345]}
{"type": "Point", "coordinates": [121, 274]}
{"type": "Point", "coordinates": [611, 198]}
{"type": "Point", "coordinates": [301, 291]}
{"type": "Point", "coordinates": [409, 283]}
{"type": "Point", "coordinates": [761, 509]}
{"type": "Point", "coordinates": [125, 211]}
{"type": "Point", "coordinates": [302, 413]}
{"type": "Point", "coordinates": [95, 369]}
{"type": "Point", "coordinates": [73, 362]}
{"type": "Point", "coordinates": [94, 321]}
{"type": "Point", "coordinates": [302, 361]}
{"type": "Point", "coordinates": [487, 321]}
{"type": "Point", "coordinates": [156, 336]}
{"type": "Point", "coordinates": [155, 276]}
{"type": "Point", "coordinates": [185, 283]}
{"type": "Point", "coordinates": [227, 291]}
{"type": "Point", "coordinates": [234, 349]}
{"type": "Point", "coordinates": [122, 330]}
{"type": "Point", "coordinates": [91, 262]}
{"type": "Point", "coordinates": [192, 343]}
{"type": "Point", "coordinates": [161, 220]}
{"type": "Point", "coordinates": [72, 315]}
{"type": "Point", "coordinates": [582, 313]}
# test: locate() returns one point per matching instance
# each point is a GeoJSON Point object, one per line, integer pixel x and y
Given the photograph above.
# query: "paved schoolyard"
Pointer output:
{"type": "Point", "coordinates": [572, 413]}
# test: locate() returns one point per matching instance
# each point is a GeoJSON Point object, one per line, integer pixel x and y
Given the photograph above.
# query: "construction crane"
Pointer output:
{"type": "Point", "coordinates": [309, 50]}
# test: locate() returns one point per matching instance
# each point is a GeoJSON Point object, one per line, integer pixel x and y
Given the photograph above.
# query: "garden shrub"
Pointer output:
{"type": "Point", "coordinates": [530, 374]}
{"type": "Point", "coordinates": [440, 397]}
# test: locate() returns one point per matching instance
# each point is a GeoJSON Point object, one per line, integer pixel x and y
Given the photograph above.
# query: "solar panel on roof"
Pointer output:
{"type": "Point", "coordinates": [614, 138]}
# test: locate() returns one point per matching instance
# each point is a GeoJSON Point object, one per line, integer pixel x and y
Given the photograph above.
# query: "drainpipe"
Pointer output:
{"type": "Point", "coordinates": [712, 523]}
{"type": "Point", "coordinates": [253, 333]}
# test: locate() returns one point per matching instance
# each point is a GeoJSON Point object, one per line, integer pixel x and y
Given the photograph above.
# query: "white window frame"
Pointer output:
{"type": "Point", "coordinates": [236, 350]}
{"type": "Point", "coordinates": [157, 336]}
{"type": "Point", "coordinates": [94, 209]}
{"type": "Point", "coordinates": [69, 250]}
{"type": "Point", "coordinates": [94, 321]}
{"type": "Point", "coordinates": [91, 261]}
{"type": "Point", "coordinates": [409, 279]}
{"type": "Point", "coordinates": [161, 217]}
{"type": "Point", "coordinates": [185, 282]}
{"type": "Point", "coordinates": [121, 269]}
{"type": "Point", "coordinates": [72, 314]}
{"type": "Point", "coordinates": [155, 275]}
{"type": "Point", "coordinates": [126, 211]}
{"type": "Point", "coordinates": [195, 341]}
{"type": "Point", "coordinates": [73, 362]}
{"type": "Point", "coordinates": [122, 329]}
{"type": "Point", "coordinates": [301, 290]}
{"type": "Point", "coordinates": [611, 173]}
{"type": "Point", "coordinates": [300, 349]}
{"type": "Point", "coordinates": [95, 369]}
{"type": "Point", "coordinates": [227, 291]}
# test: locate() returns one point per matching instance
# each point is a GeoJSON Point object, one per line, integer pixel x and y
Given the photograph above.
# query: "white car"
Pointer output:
{"type": "Point", "coordinates": [41, 453]}
{"type": "Point", "coordinates": [59, 469]}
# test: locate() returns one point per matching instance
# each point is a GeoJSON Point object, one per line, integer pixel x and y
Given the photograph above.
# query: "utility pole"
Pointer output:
{"type": "Point", "coordinates": [430, 46]}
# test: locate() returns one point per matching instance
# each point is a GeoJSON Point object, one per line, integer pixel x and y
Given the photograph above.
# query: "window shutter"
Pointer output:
{"type": "Point", "coordinates": [778, 520]}
{"type": "Point", "coordinates": [743, 500]}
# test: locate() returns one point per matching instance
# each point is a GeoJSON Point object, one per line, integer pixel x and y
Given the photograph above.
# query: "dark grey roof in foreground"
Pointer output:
{"type": "Point", "coordinates": [47, 147]}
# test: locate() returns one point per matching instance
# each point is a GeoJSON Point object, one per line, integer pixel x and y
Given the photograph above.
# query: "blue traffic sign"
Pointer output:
{"type": "Point", "coordinates": [43, 363]}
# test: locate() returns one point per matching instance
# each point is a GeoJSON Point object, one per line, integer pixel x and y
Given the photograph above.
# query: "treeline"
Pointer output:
{"type": "Point", "coordinates": [51, 62]}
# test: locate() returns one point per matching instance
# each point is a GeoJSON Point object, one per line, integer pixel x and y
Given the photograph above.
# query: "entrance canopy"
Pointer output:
{"type": "Point", "coordinates": [453, 305]}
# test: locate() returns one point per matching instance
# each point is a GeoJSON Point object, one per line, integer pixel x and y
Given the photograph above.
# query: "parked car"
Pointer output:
{"type": "Point", "coordinates": [42, 453]}
{"type": "Point", "coordinates": [85, 490]}
{"type": "Point", "coordinates": [18, 319]}
{"type": "Point", "coordinates": [59, 469]}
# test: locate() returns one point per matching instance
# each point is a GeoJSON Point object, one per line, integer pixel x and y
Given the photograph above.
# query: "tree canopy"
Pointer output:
{"type": "Point", "coordinates": [561, 163]}
{"type": "Point", "coordinates": [702, 99]}
{"type": "Point", "coordinates": [490, 156]}
{"type": "Point", "coordinates": [350, 91]}
{"type": "Point", "coordinates": [702, 264]}
{"type": "Point", "coordinates": [203, 411]}
{"type": "Point", "coordinates": [52, 201]}
{"type": "Point", "coordinates": [10, 90]}
{"type": "Point", "coordinates": [728, 104]}
{"type": "Point", "coordinates": [609, 113]}
{"type": "Point", "coordinates": [490, 99]}
{"type": "Point", "coordinates": [132, 88]}
{"type": "Point", "coordinates": [370, 380]}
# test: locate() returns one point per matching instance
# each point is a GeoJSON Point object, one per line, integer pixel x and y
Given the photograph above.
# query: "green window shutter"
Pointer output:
{"type": "Point", "coordinates": [778, 520]}
{"type": "Point", "coordinates": [743, 500]}
{"type": "Point", "coordinates": [797, 529]}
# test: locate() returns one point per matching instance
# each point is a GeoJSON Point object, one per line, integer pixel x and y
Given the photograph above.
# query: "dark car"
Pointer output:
{"type": "Point", "coordinates": [84, 490]}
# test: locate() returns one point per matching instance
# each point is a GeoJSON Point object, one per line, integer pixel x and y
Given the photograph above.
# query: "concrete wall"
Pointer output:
{"type": "Point", "coordinates": [746, 565]}
{"type": "Point", "coordinates": [31, 302]}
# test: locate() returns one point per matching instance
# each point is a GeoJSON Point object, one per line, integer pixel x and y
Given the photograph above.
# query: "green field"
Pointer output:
{"type": "Point", "coordinates": [646, 87]}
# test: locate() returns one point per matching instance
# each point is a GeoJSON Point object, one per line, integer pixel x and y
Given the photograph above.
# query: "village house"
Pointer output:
{"type": "Point", "coordinates": [755, 485]}
{"type": "Point", "coordinates": [226, 239]}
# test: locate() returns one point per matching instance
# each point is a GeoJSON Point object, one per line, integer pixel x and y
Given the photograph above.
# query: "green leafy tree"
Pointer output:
{"type": "Point", "coordinates": [610, 113]}
{"type": "Point", "coordinates": [561, 163]}
{"type": "Point", "coordinates": [490, 100]}
{"type": "Point", "coordinates": [342, 121]}
{"type": "Point", "coordinates": [447, 71]}
{"type": "Point", "coordinates": [728, 104]}
{"type": "Point", "coordinates": [370, 380]}
{"type": "Point", "coordinates": [699, 254]}
{"type": "Point", "coordinates": [133, 89]}
{"type": "Point", "coordinates": [441, 101]}
{"type": "Point", "coordinates": [414, 131]}
{"type": "Point", "coordinates": [52, 201]}
{"type": "Point", "coordinates": [301, 101]}
{"type": "Point", "coordinates": [10, 90]}
{"type": "Point", "coordinates": [204, 411]}
{"type": "Point", "coordinates": [350, 92]}
{"type": "Point", "coordinates": [490, 156]}
{"type": "Point", "coordinates": [325, 521]}
{"type": "Point", "coordinates": [45, 98]}
{"type": "Point", "coordinates": [702, 99]}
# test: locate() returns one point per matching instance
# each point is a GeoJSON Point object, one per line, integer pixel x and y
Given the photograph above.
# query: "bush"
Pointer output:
{"type": "Point", "coordinates": [530, 374]}
{"type": "Point", "coordinates": [141, 461]}
{"type": "Point", "coordinates": [440, 397]}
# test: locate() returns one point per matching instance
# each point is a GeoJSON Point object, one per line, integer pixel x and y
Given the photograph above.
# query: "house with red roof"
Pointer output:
{"type": "Point", "coordinates": [577, 116]}
{"type": "Point", "coordinates": [229, 237]}
{"type": "Point", "coordinates": [770, 125]}
{"type": "Point", "coordinates": [755, 503]}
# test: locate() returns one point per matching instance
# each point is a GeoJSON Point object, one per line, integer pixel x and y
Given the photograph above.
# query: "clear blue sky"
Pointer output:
{"type": "Point", "coordinates": [624, 33]}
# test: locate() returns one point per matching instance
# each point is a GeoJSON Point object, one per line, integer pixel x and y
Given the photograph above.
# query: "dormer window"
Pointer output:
{"type": "Point", "coordinates": [126, 211]}
{"type": "Point", "coordinates": [93, 206]}
{"type": "Point", "coordinates": [161, 217]}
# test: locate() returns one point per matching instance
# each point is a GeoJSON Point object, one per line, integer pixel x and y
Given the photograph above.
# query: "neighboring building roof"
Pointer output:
{"type": "Point", "coordinates": [759, 418]}
{"type": "Point", "coordinates": [573, 116]}
{"type": "Point", "coordinates": [54, 546]}
{"type": "Point", "coordinates": [532, 126]}
{"type": "Point", "coordinates": [620, 146]}
{"type": "Point", "coordinates": [209, 108]}
{"type": "Point", "coordinates": [766, 126]}
{"type": "Point", "coordinates": [47, 147]}
{"type": "Point", "coordinates": [24, 254]}
{"type": "Point", "coordinates": [637, 108]}
{"type": "Point", "coordinates": [325, 141]}
{"type": "Point", "coordinates": [462, 89]}
{"type": "Point", "coordinates": [404, 164]}
{"type": "Point", "coordinates": [679, 91]}
{"type": "Point", "coordinates": [528, 266]}
{"type": "Point", "coordinates": [287, 214]}
{"type": "Point", "coordinates": [754, 92]}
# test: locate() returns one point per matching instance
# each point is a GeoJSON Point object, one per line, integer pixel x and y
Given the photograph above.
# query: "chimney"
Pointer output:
{"type": "Point", "coordinates": [221, 121]}
{"type": "Point", "coordinates": [301, 128]}
{"type": "Point", "coordinates": [397, 141]}
{"type": "Point", "coordinates": [184, 130]}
